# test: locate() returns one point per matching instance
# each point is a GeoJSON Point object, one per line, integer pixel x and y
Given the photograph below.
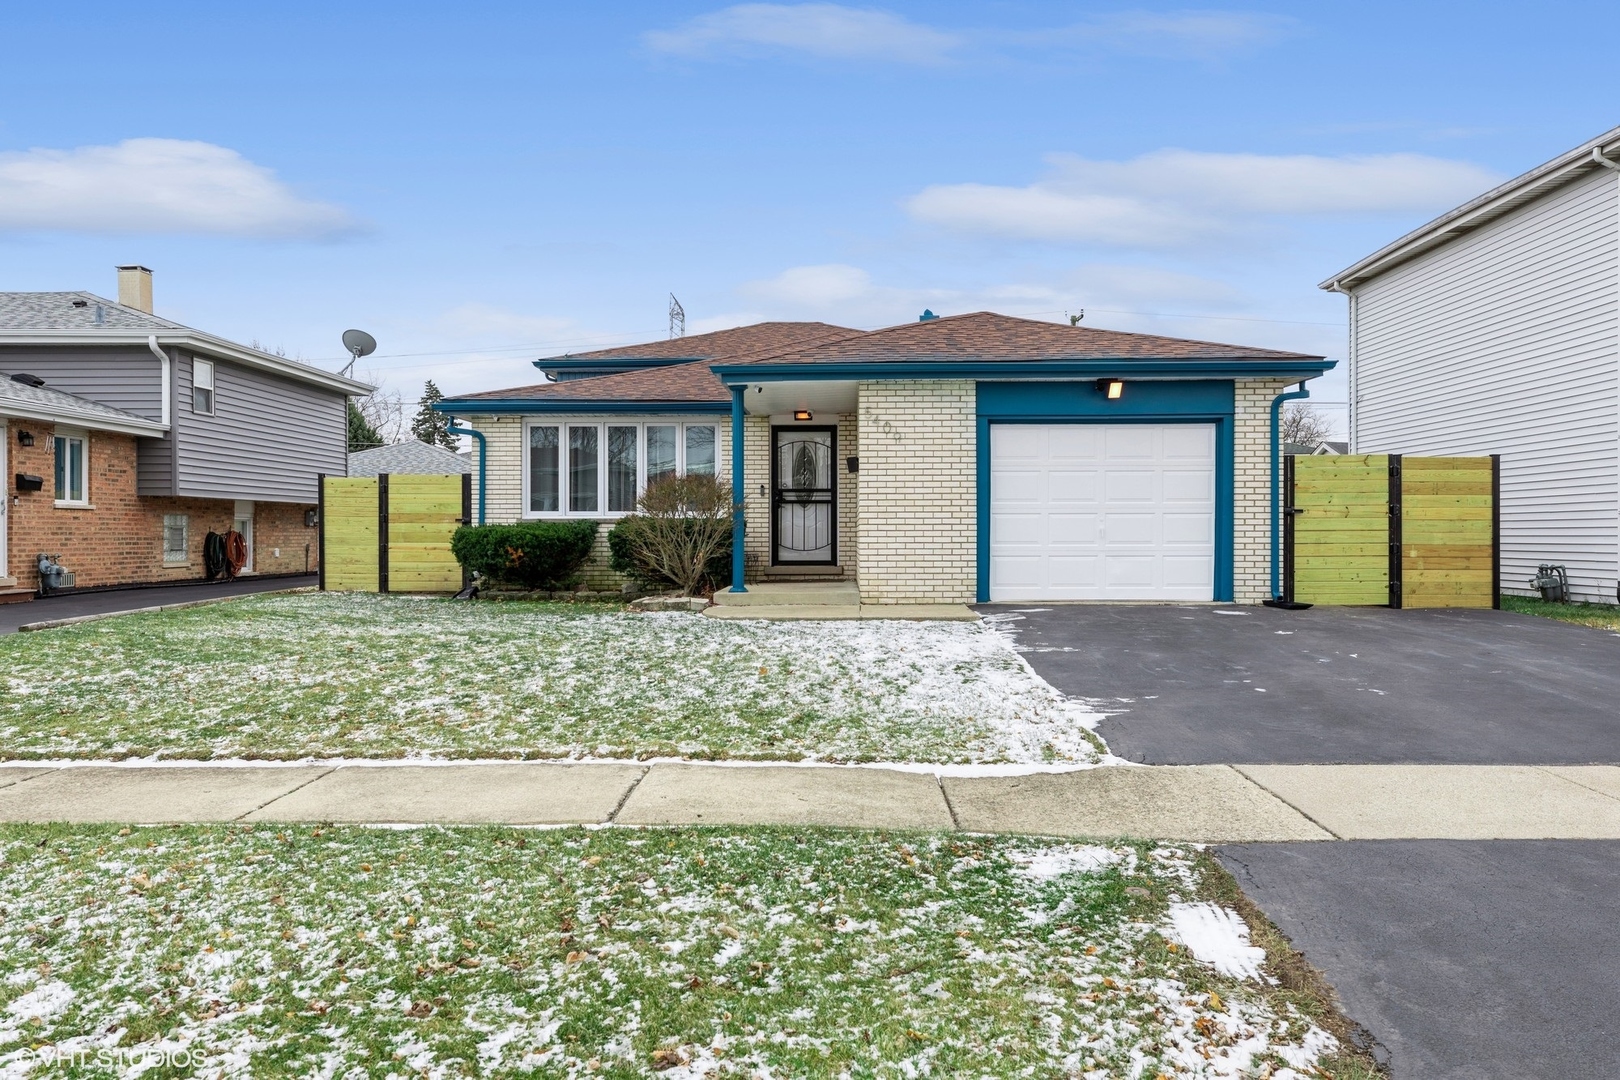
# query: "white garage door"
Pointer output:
{"type": "Point", "coordinates": [1102, 512]}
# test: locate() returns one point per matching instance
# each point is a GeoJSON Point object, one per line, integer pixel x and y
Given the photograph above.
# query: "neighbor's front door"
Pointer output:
{"type": "Point", "coordinates": [804, 503]}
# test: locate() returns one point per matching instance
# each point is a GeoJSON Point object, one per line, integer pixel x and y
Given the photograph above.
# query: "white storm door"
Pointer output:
{"type": "Point", "coordinates": [1102, 511]}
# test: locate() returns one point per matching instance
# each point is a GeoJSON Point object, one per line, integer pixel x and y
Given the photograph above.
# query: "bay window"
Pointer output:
{"type": "Point", "coordinates": [545, 474]}
{"type": "Point", "coordinates": [582, 469]}
{"type": "Point", "coordinates": [602, 468]}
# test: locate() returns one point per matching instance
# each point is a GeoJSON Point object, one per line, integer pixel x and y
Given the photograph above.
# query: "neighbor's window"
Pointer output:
{"type": "Point", "coordinates": [622, 467]}
{"type": "Point", "coordinates": [544, 473]}
{"type": "Point", "coordinates": [660, 451]}
{"type": "Point", "coordinates": [202, 387]}
{"type": "Point", "coordinates": [175, 538]}
{"type": "Point", "coordinates": [700, 449]}
{"type": "Point", "coordinates": [583, 455]}
{"type": "Point", "coordinates": [70, 469]}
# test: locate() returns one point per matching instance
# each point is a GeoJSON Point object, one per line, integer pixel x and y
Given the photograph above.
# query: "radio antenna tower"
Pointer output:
{"type": "Point", "coordinates": [677, 318]}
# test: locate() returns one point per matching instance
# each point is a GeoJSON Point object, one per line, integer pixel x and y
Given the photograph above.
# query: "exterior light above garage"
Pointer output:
{"type": "Point", "coordinates": [1112, 389]}
{"type": "Point", "coordinates": [803, 414]}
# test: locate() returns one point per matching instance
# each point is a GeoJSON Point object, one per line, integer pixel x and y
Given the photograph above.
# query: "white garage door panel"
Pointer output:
{"type": "Point", "coordinates": [1102, 511]}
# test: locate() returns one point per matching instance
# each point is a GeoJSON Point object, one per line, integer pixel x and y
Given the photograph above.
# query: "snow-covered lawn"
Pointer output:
{"type": "Point", "coordinates": [256, 951]}
{"type": "Point", "coordinates": [334, 675]}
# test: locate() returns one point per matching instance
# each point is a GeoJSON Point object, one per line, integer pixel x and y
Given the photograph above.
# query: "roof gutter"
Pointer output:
{"type": "Point", "coordinates": [17, 410]}
{"type": "Point", "coordinates": [196, 340]}
{"type": "Point", "coordinates": [1305, 367]}
{"type": "Point", "coordinates": [574, 406]}
{"type": "Point", "coordinates": [1276, 498]}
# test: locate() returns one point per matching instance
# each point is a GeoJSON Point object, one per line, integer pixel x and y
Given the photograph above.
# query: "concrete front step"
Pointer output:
{"type": "Point", "coordinates": [806, 612]}
{"type": "Point", "coordinates": [793, 594]}
{"type": "Point", "coordinates": [15, 596]}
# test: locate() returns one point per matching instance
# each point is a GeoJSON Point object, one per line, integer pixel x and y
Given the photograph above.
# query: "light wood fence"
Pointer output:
{"type": "Point", "coordinates": [1393, 530]}
{"type": "Point", "coordinates": [391, 533]}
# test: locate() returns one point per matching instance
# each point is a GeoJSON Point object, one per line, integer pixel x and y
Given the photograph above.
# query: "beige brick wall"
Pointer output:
{"type": "Point", "coordinates": [918, 507]}
{"type": "Point", "coordinates": [1251, 504]}
{"type": "Point", "coordinates": [503, 442]}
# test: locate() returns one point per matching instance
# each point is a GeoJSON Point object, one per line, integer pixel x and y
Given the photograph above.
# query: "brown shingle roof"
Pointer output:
{"type": "Point", "coordinates": [680, 382]}
{"type": "Point", "coordinates": [737, 345]}
{"type": "Point", "coordinates": [984, 335]}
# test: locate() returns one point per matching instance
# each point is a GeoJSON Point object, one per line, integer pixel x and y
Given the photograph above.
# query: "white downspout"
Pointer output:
{"type": "Point", "coordinates": [1608, 163]}
{"type": "Point", "coordinates": [163, 361]}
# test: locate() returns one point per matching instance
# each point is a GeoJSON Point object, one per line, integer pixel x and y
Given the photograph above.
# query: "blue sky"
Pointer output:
{"type": "Point", "coordinates": [479, 184]}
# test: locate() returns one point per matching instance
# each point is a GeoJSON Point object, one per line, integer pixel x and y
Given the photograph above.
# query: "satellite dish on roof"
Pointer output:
{"type": "Point", "coordinates": [359, 343]}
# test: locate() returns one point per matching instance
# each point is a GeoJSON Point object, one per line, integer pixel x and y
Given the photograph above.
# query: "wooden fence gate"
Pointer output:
{"type": "Point", "coordinates": [391, 533]}
{"type": "Point", "coordinates": [1393, 530]}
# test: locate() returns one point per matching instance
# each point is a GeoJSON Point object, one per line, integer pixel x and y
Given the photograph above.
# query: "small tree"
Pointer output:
{"type": "Point", "coordinates": [432, 427]}
{"type": "Point", "coordinates": [1304, 426]}
{"type": "Point", "coordinates": [682, 523]}
{"type": "Point", "coordinates": [362, 434]}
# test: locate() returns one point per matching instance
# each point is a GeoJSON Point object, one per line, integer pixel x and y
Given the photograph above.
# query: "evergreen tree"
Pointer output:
{"type": "Point", "coordinates": [432, 427]}
{"type": "Point", "coordinates": [362, 435]}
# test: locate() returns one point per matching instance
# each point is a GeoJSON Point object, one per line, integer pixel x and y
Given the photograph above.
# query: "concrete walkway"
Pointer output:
{"type": "Point", "coordinates": [1210, 803]}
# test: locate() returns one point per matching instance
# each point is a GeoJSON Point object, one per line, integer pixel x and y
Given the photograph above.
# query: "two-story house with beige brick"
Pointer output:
{"type": "Point", "coordinates": [130, 437]}
{"type": "Point", "coordinates": [964, 459]}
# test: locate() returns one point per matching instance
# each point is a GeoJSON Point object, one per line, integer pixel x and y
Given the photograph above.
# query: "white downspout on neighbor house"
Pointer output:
{"type": "Point", "coordinates": [1609, 163]}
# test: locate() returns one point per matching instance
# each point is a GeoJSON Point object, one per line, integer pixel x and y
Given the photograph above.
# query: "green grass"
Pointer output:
{"type": "Point", "coordinates": [616, 953]}
{"type": "Point", "coordinates": [344, 675]}
{"type": "Point", "coordinates": [1603, 616]}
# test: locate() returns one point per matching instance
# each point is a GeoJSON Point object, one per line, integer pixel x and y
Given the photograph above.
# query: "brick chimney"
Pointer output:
{"type": "Point", "coordinates": [135, 288]}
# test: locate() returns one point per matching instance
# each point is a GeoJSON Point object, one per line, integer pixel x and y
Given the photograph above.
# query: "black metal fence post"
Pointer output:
{"type": "Point", "coordinates": [320, 530]}
{"type": "Point", "coordinates": [1496, 531]}
{"type": "Point", "coordinates": [382, 532]}
{"type": "Point", "coordinates": [1395, 592]}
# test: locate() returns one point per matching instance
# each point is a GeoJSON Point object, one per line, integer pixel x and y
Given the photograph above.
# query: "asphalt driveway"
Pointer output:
{"type": "Point", "coordinates": [110, 600]}
{"type": "Point", "coordinates": [1488, 960]}
{"type": "Point", "coordinates": [1206, 685]}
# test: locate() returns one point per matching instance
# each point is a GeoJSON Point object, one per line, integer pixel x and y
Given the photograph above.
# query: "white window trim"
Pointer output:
{"type": "Point", "coordinates": [601, 423]}
{"type": "Point", "coordinates": [84, 463]}
{"type": "Point", "coordinates": [213, 395]}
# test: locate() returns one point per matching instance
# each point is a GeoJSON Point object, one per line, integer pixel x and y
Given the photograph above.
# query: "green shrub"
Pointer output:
{"type": "Point", "coordinates": [530, 555]}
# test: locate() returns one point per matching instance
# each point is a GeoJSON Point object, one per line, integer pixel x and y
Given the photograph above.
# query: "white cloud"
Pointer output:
{"type": "Point", "coordinates": [1177, 198]}
{"type": "Point", "coordinates": [156, 186]}
{"type": "Point", "coordinates": [826, 30]}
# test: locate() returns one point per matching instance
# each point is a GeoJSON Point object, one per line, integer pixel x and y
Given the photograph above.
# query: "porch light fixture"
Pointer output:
{"type": "Point", "coordinates": [803, 414]}
{"type": "Point", "coordinates": [1112, 389]}
{"type": "Point", "coordinates": [25, 438]}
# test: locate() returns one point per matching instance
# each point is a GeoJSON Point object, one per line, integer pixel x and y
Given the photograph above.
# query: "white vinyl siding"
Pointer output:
{"type": "Point", "coordinates": [1102, 511]}
{"type": "Point", "coordinates": [1505, 341]}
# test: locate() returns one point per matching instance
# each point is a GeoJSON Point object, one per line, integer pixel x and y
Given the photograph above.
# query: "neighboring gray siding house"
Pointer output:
{"type": "Point", "coordinates": [1495, 329]}
{"type": "Point", "coordinates": [204, 435]}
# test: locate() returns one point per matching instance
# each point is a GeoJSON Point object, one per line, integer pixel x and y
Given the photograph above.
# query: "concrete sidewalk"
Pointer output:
{"type": "Point", "coordinates": [1208, 803]}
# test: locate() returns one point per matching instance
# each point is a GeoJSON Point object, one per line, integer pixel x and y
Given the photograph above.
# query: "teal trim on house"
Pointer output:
{"type": "Point", "coordinates": [739, 560]}
{"type": "Point", "coordinates": [527, 406]}
{"type": "Point", "coordinates": [1200, 401]}
{"type": "Point", "coordinates": [1021, 370]}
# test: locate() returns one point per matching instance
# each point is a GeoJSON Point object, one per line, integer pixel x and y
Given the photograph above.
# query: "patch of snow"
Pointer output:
{"type": "Point", "coordinates": [46, 1002]}
{"type": "Point", "coordinates": [1055, 862]}
{"type": "Point", "coordinates": [1217, 936]}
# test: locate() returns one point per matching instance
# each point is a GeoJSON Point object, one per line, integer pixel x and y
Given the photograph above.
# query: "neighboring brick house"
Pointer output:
{"type": "Point", "coordinates": [128, 438]}
{"type": "Point", "coordinates": [965, 459]}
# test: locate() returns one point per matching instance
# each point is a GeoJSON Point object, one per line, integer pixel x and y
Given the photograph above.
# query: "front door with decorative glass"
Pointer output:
{"type": "Point", "coordinates": [804, 515]}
